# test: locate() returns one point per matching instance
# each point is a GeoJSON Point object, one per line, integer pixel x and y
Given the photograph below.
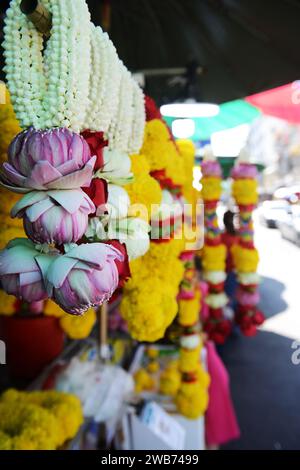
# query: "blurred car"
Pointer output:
{"type": "Point", "coordinates": [272, 212]}
{"type": "Point", "coordinates": [289, 226]}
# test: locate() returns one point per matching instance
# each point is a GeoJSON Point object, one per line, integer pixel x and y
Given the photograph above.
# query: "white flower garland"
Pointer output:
{"type": "Point", "coordinates": [50, 90]}
{"type": "Point", "coordinates": [100, 74]}
{"type": "Point", "coordinates": [107, 107]}
{"type": "Point", "coordinates": [120, 127]}
{"type": "Point", "coordinates": [139, 120]}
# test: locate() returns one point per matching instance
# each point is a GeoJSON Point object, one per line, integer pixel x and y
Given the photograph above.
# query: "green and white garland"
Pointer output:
{"type": "Point", "coordinates": [49, 88]}
{"type": "Point", "coordinates": [77, 81]}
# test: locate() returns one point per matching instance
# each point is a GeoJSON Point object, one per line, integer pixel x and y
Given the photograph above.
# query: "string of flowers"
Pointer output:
{"type": "Point", "coordinates": [214, 252]}
{"type": "Point", "coordinates": [66, 177]}
{"type": "Point", "coordinates": [149, 302]}
{"type": "Point", "coordinates": [192, 395]}
{"type": "Point", "coordinates": [38, 420]}
{"type": "Point", "coordinates": [245, 255]}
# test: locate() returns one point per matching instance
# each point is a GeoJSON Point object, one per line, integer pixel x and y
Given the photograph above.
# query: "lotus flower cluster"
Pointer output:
{"type": "Point", "coordinates": [51, 167]}
{"type": "Point", "coordinates": [85, 276]}
{"type": "Point", "coordinates": [51, 159]}
{"type": "Point", "coordinates": [20, 270]}
{"type": "Point", "coordinates": [54, 216]}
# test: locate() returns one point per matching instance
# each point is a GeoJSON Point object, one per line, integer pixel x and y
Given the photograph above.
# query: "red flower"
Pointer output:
{"type": "Point", "coordinates": [250, 331]}
{"type": "Point", "coordinates": [152, 111]}
{"type": "Point", "coordinates": [213, 241]}
{"type": "Point", "coordinates": [258, 318]}
{"type": "Point", "coordinates": [96, 143]}
{"type": "Point", "coordinates": [218, 338]}
{"type": "Point", "coordinates": [216, 288]}
{"type": "Point", "coordinates": [216, 313]}
{"type": "Point", "coordinates": [97, 192]}
{"type": "Point", "coordinates": [224, 327]}
{"type": "Point", "coordinates": [123, 266]}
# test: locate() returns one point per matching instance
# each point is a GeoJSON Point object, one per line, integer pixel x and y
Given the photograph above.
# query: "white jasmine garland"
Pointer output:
{"type": "Point", "coordinates": [214, 277]}
{"type": "Point", "coordinates": [119, 131]}
{"type": "Point", "coordinates": [50, 89]}
{"type": "Point", "coordinates": [190, 341]}
{"type": "Point", "coordinates": [216, 300]}
{"type": "Point", "coordinates": [99, 77]}
{"type": "Point", "coordinates": [116, 169]}
{"type": "Point", "coordinates": [106, 109]}
{"type": "Point", "coordinates": [138, 121]}
{"type": "Point", "coordinates": [248, 278]}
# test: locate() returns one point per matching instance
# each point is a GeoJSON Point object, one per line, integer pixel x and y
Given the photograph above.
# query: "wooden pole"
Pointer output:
{"type": "Point", "coordinates": [38, 15]}
{"type": "Point", "coordinates": [103, 330]}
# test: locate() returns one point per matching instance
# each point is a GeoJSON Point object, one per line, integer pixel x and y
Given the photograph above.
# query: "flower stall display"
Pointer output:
{"type": "Point", "coordinates": [38, 420]}
{"type": "Point", "coordinates": [245, 255]}
{"type": "Point", "coordinates": [82, 115]}
{"type": "Point", "coordinates": [214, 251]}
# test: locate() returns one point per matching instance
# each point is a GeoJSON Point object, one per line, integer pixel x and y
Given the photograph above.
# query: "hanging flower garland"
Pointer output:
{"type": "Point", "coordinates": [149, 302]}
{"type": "Point", "coordinates": [38, 420]}
{"type": "Point", "coordinates": [65, 177]}
{"type": "Point", "coordinates": [245, 255]}
{"type": "Point", "coordinates": [214, 252]}
{"type": "Point", "coordinates": [49, 87]}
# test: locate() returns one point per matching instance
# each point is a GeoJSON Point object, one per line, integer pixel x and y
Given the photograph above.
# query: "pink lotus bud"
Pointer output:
{"type": "Point", "coordinates": [54, 216]}
{"type": "Point", "coordinates": [51, 159]}
{"type": "Point", "coordinates": [20, 270]}
{"type": "Point", "coordinates": [86, 276]}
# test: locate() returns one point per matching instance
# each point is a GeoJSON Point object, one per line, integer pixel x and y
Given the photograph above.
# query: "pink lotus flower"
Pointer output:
{"type": "Point", "coordinates": [20, 270]}
{"type": "Point", "coordinates": [54, 216]}
{"type": "Point", "coordinates": [86, 276]}
{"type": "Point", "coordinates": [51, 159]}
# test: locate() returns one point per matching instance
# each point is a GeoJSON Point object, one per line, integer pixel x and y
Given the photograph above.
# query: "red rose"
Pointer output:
{"type": "Point", "coordinates": [224, 327]}
{"type": "Point", "coordinates": [213, 241]}
{"type": "Point", "coordinates": [258, 318]}
{"type": "Point", "coordinates": [216, 288]}
{"type": "Point", "coordinates": [96, 142]}
{"type": "Point", "coordinates": [208, 327]}
{"type": "Point", "coordinates": [250, 331]}
{"type": "Point", "coordinates": [216, 313]}
{"type": "Point", "coordinates": [123, 266]}
{"type": "Point", "coordinates": [97, 192]}
{"type": "Point", "coordinates": [218, 338]}
{"type": "Point", "coordinates": [152, 111]}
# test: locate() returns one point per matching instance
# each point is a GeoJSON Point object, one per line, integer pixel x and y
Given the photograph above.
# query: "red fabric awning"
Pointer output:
{"type": "Point", "coordinates": [282, 102]}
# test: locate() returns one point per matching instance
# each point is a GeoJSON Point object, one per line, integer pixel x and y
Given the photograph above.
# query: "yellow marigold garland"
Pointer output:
{"type": "Point", "coordinates": [78, 327]}
{"type": "Point", "coordinates": [214, 257]}
{"type": "Point", "coordinates": [245, 259]}
{"type": "Point", "coordinates": [7, 304]}
{"type": "Point", "coordinates": [144, 191]}
{"type": "Point", "coordinates": [189, 310]}
{"type": "Point", "coordinates": [191, 399]}
{"type": "Point", "coordinates": [244, 191]}
{"type": "Point", "coordinates": [211, 188]}
{"type": "Point", "coordinates": [60, 412]}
